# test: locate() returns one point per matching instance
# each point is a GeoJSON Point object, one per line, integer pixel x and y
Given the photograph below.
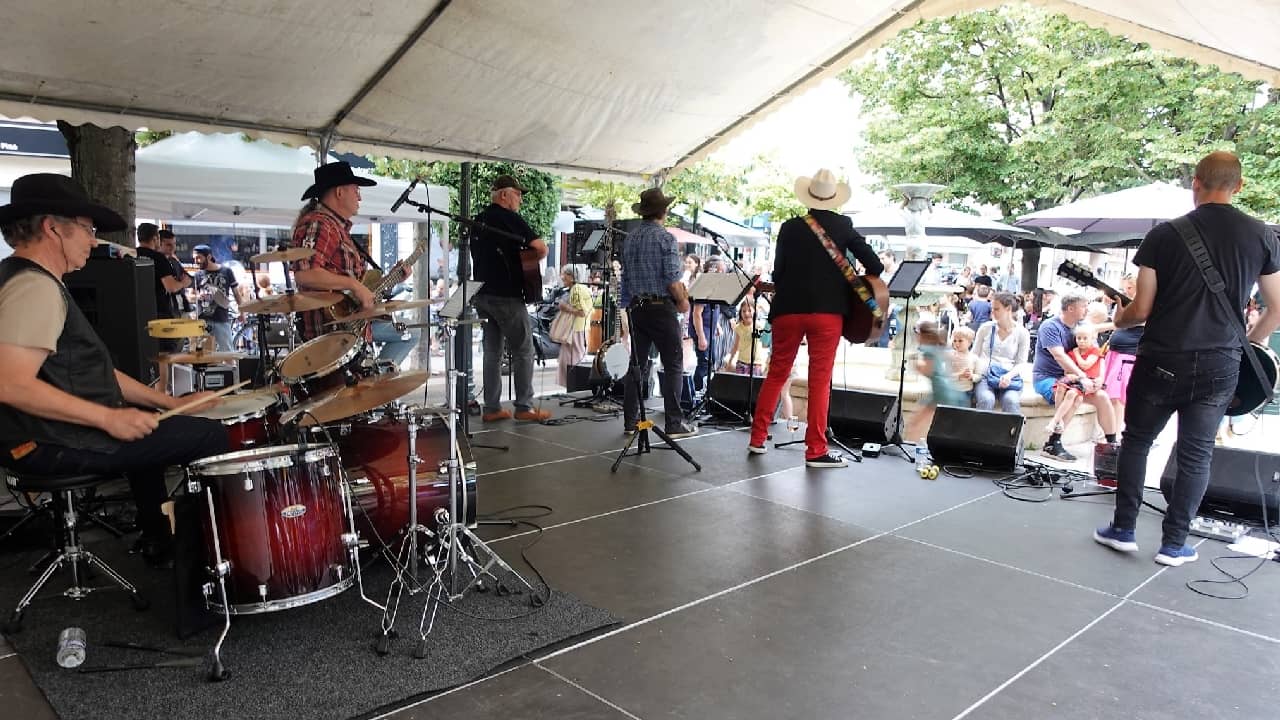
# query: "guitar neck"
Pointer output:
{"type": "Point", "coordinates": [399, 271]}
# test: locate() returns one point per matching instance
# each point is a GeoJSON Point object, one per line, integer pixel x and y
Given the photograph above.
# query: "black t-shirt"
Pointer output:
{"type": "Point", "coordinates": [496, 259]}
{"type": "Point", "coordinates": [212, 286]}
{"type": "Point", "coordinates": [1185, 316]}
{"type": "Point", "coordinates": [805, 278]}
{"type": "Point", "coordinates": [162, 269]}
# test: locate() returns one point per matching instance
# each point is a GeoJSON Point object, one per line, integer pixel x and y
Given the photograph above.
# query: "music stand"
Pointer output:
{"type": "Point", "coordinates": [726, 289]}
{"type": "Point", "coordinates": [903, 285]}
{"type": "Point", "coordinates": [593, 241]}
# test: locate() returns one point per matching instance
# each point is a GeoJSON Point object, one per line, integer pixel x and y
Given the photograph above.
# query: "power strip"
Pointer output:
{"type": "Point", "coordinates": [1223, 530]}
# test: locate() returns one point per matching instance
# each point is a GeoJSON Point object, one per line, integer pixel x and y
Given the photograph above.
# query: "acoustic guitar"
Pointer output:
{"type": "Point", "coordinates": [1251, 391]}
{"type": "Point", "coordinates": [867, 314]}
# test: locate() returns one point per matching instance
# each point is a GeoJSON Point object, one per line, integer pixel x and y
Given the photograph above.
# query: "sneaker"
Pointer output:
{"type": "Point", "coordinates": [1057, 428]}
{"type": "Point", "coordinates": [1056, 451]}
{"type": "Point", "coordinates": [681, 430]}
{"type": "Point", "coordinates": [1175, 555]}
{"type": "Point", "coordinates": [535, 415]}
{"type": "Point", "coordinates": [757, 449]}
{"type": "Point", "coordinates": [1122, 540]}
{"type": "Point", "coordinates": [826, 461]}
{"type": "Point", "coordinates": [496, 415]}
{"type": "Point", "coordinates": [628, 430]}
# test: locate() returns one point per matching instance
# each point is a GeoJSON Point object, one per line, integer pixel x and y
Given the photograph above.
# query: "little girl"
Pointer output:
{"type": "Point", "coordinates": [964, 362]}
{"type": "Point", "coordinates": [739, 359]}
{"type": "Point", "coordinates": [1087, 355]}
{"type": "Point", "coordinates": [932, 364]}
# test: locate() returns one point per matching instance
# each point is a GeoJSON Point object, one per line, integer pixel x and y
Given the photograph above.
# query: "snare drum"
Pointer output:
{"type": "Point", "coordinates": [322, 364]}
{"type": "Point", "coordinates": [248, 417]}
{"type": "Point", "coordinates": [277, 518]}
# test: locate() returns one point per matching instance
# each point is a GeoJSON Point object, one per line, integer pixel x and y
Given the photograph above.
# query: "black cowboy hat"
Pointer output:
{"type": "Point", "coordinates": [652, 202]}
{"type": "Point", "coordinates": [332, 175]}
{"type": "Point", "coordinates": [52, 194]}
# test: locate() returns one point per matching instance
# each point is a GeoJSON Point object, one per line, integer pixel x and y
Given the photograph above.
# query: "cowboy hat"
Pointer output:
{"type": "Point", "coordinates": [52, 194]}
{"type": "Point", "coordinates": [332, 175]}
{"type": "Point", "coordinates": [822, 191]}
{"type": "Point", "coordinates": [652, 202]}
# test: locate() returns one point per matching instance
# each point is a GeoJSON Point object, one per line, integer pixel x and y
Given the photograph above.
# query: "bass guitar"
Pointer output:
{"type": "Point", "coordinates": [378, 283]}
{"type": "Point", "coordinates": [1251, 391]}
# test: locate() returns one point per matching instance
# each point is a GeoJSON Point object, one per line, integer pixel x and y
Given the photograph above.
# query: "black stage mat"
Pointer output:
{"type": "Point", "coordinates": [314, 661]}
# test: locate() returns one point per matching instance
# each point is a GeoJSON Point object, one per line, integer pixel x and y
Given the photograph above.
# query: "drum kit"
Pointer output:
{"type": "Point", "coordinates": [325, 461]}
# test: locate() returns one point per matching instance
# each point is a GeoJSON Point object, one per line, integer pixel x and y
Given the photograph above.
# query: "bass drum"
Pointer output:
{"type": "Point", "coordinates": [375, 452]}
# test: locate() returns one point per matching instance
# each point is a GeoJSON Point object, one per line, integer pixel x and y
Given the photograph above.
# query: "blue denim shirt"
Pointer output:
{"type": "Point", "coordinates": [650, 263]}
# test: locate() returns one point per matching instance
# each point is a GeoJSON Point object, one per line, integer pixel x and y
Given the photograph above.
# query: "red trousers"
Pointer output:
{"type": "Point", "coordinates": [822, 331]}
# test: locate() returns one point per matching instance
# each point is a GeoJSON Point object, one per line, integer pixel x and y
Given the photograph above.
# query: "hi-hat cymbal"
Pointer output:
{"type": "Point", "coordinates": [291, 302]}
{"type": "Point", "coordinates": [364, 396]}
{"type": "Point", "coordinates": [289, 255]}
{"type": "Point", "coordinates": [204, 358]}
{"type": "Point", "coordinates": [384, 308]}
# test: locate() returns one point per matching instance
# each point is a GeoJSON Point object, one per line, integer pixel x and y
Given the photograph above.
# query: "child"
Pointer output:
{"type": "Point", "coordinates": [741, 353]}
{"type": "Point", "coordinates": [964, 362]}
{"type": "Point", "coordinates": [932, 364]}
{"type": "Point", "coordinates": [1087, 355]}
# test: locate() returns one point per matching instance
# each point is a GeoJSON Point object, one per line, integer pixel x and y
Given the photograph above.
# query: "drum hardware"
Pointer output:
{"type": "Point", "coordinates": [365, 395]}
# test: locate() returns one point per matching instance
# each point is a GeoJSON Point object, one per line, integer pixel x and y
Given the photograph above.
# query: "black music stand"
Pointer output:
{"type": "Point", "coordinates": [903, 285]}
{"type": "Point", "coordinates": [727, 290]}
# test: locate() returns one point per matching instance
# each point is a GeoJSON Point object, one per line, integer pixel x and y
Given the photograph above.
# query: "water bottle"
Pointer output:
{"type": "Point", "coordinates": [922, 455]}
{"type": "Point", "coordinates": [71, 645]}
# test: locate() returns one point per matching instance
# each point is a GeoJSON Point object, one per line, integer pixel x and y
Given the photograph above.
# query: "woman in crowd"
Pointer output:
{"type": "Point", "coordinates": [1122, 352]}
{"type": "Point", "coordinates": [577, 303]}
{"type": "Point", "coordinates": [1005, 345]}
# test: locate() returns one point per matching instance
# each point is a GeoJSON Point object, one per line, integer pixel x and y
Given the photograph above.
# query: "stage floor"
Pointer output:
{"type": "Point", "coordinates": [758, 588]}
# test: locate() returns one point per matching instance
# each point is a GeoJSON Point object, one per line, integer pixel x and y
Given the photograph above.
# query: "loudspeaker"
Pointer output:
{"type": "Point", "coordinates": [1233, 484]}
{"type": "Point", "coordinates": [964, 436]}
{"type": "Point", "coordinates": [117, 295]}
{"type": "Point", "coordinates": [733, 391]}
{"type": "Point", "coordinates": [866, 416]}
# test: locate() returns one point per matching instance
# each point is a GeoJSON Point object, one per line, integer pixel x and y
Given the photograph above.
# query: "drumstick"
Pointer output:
{"type": "Point", "coordinates": [196, 403]}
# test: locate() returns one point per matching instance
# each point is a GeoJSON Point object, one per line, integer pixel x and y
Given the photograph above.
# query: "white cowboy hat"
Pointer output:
{"type": "Point", "coordinates": [822, 191]}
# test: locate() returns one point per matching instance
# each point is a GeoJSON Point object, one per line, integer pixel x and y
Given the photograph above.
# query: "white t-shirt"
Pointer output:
{"type": "Point", "coordinates": [32, 311]}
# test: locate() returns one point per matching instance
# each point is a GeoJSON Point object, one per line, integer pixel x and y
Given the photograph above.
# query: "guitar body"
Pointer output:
{"type": "Point", "coordinates": [1251, 393]}
{"type": "Point", "coordinates": [531, 273]}
{"type": "Point", "coordinates": [861, 324]}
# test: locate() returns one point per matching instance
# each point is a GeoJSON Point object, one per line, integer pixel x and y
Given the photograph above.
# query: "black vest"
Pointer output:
{"type": "Point", "coordinates": [81, 366]}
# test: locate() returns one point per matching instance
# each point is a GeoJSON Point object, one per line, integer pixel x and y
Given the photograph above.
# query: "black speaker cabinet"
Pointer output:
{"type": "Point", "coordinates": [1233, 484]}
{"type": "Point", "coordinates": [866, 416]}
{"type": "Point", "coordinates": [964, 436]}
{"type": "Point", "coordinates": [734, 392]}
{"type": "Point", "coordinates": [117, 295]}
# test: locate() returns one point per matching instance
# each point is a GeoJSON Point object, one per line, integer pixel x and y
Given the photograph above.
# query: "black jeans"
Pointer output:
{"type": "Point", "coordinates": [178, 441]}
{"type": "Point", "coordinates": [654, 324]}
{"type": "Point", "coordinates": [1197, 386]}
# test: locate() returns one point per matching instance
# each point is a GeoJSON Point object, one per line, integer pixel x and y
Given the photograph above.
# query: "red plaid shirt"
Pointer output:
{"type": "Point", "coordinates": [336, 252]}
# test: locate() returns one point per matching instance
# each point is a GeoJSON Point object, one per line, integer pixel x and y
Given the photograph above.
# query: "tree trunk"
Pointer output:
{"type": "Point", "coordinates": [102, 161]}
{"type": "Point", "coordinates": [1030, 268]}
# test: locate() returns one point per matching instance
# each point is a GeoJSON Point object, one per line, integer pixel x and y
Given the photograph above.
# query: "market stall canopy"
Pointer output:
{"type": "Point", "coordinates": [586, 88]}
{"type": "Point", "coordinates": [939, 222]}
{"type": "Point", "coordinates": [1136, 209]}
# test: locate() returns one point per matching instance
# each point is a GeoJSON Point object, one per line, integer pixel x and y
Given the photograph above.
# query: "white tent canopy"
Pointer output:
{"type": "Point", "coordinates": [221, 177]}
{"type": "Point", "coordinates": [1136, 209]}
{"type": "Point", "coordinates": [603, 87]}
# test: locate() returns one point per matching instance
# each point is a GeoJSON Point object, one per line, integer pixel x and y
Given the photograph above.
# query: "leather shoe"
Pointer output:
{"type": "Point", "coordinates": [157, 551]}
{"type": "Point", "coordinates": [496, 416]}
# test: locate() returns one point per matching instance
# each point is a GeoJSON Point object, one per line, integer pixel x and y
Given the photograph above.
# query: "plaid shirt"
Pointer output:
{"type": "Point", "coordinates": [650, 263]}
{"type": "Point", "coordinates": [330, 236]}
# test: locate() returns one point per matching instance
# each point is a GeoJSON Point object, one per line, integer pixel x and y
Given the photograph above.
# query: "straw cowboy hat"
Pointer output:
{"type": "Point", "coordinates": [822, 191]}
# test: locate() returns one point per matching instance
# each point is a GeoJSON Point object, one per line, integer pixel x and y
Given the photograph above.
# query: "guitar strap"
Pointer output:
{"type": "Point", "coordinates": [1213, 280]}
{"type": "Point", "coordinates": [842, 263]}
{"type": "Point", "coordinates": [359, 248]}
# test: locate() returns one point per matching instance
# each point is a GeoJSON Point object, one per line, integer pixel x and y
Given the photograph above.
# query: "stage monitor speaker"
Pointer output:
{"type": "Point", "coordinates": [1233, 484]}
{"type": "Point", "coordinates": [862, 415]}
{"type": "Point", "coordinates": [984, 439]}
{"type": "Point", "coordinates": [733, 392]}
{"type": "Point", "coordinates": [117, 295]}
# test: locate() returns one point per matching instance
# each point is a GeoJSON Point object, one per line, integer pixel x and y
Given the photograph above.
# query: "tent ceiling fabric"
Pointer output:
{"type": "Point", "coordinates": [598, 88]}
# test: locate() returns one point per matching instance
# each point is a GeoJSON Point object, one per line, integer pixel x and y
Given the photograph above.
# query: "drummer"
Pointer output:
{"type": "Point", "coordinates": [64, 408]}
{"type": "Point", "coordinates": [325, 225]}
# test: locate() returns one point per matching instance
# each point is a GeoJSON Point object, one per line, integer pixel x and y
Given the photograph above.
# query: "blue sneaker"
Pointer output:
{"type": "Point", "coordinates": [1122, 540]}
{"type": "Point", "coordinates": [1175, 555]}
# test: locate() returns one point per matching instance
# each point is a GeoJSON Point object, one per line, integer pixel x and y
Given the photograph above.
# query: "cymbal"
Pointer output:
{"type": "Point", "coordinates": [363, 396]}
{"type": "Point", "coordinates": [384, 308]}
{"type": "Point", "coordinates": [289, 255]}
{"type": "Point", "coordinates": [291, 302]}
{"type": "Point", "coordinates": [204, 358]}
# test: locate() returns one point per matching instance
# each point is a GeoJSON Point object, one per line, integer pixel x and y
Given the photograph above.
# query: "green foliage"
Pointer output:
{"type": "Point", "coordinates": [702, 182]}
{"type": "Point", "coordinates": [150, 137]}
{"type": "Point", "coordinates": [602, 194]}
{"type": "Point", "coordinates": [1025, 109]}
{"type": "Point", "coordinates": [538, 208]}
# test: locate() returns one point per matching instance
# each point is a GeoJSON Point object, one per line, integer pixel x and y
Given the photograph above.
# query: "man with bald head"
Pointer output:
{"type": "Point", "coordinates": [1189, 356]}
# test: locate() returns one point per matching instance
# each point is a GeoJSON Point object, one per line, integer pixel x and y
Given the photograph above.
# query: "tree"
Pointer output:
{"type": "Point", "coordinates": [702, 182]}
{"type": "Point", "coordinates": [603, 193]}
{"type": "Point", "coordinates": [1024, 109]}
{"type": "Point", "coordinates": [102, 161]}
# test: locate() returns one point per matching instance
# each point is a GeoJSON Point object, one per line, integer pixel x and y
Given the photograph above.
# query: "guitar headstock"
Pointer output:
{"type": "Point", "coordinates": [1077, 273]}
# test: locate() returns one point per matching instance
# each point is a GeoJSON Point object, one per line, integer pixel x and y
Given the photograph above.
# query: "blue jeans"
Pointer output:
{"type": "Point", "coordinates": [221, 332]}
{"type": "Point", "coordinates": [396, 346]}
{"type": "Point", "coordinates": [1196, 385]}
{"type": "Point", "coordinates": [985, 398]}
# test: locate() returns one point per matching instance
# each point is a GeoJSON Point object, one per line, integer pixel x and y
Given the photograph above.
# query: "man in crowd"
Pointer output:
{"type": "Point", "coordinates": [810, 298]}
{"type": "Point", "coordinates": [325, 225]}
{"type": "Point", "coordinates": [500, 302]}
{"type": "Point", "coordinates": [64, 409]}
{"type": "Point", "coordinates": [215, 291]}
{"type": "Point", "coordinates": [653, 293]}
{"type": "Point", "coordinates": [169, 248]}
{"type": "Point", "coordinates": [1062, 383]}
{"type": "Point", "coordinates": [167, 282]}
{"type": "Point", "coordinates": [1189, 356]}
{"type": "Point", "coordinates": [983, 277]}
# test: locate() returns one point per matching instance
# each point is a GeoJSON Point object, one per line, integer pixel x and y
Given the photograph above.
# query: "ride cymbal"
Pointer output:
{"type": "Point", "coordinates": [291, 302]}
{"type": "Point", "coordinates": [289, 255]}
{"type": "Point", "coordinates": [382, 309]}
{"type": "Point", "coordinates": [362, 397]}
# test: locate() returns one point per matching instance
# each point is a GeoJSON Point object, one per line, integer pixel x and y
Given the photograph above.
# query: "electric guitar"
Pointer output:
{"type": "Point", "coordinates": [1251, 391]}
{"type": "Point", "coordinates": [378, 283]}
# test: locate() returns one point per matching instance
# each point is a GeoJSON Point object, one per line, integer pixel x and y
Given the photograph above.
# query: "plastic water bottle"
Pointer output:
{"type": "Point", "coordinates": [922, 454]}
{"type": "Point", "coordinates": [71, 646]}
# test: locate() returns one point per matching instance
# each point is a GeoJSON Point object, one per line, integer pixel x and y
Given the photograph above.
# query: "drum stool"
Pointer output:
{"type": "Point", "coordinates": [62, 488]}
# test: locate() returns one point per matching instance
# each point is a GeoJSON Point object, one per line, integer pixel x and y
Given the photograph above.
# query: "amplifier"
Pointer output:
{"type": "Point", "coordinates": [866, 416]}
{"type": "Point", "coordinates": [1233, 484]}
{"type": "Point", "coordinates": [965, 436]}
{"type": "Point", "coordinates": [117, 295]}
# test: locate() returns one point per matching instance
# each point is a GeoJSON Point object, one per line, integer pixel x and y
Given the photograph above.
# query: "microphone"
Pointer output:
{"type": "Point", "coordinates": [404, 195]}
